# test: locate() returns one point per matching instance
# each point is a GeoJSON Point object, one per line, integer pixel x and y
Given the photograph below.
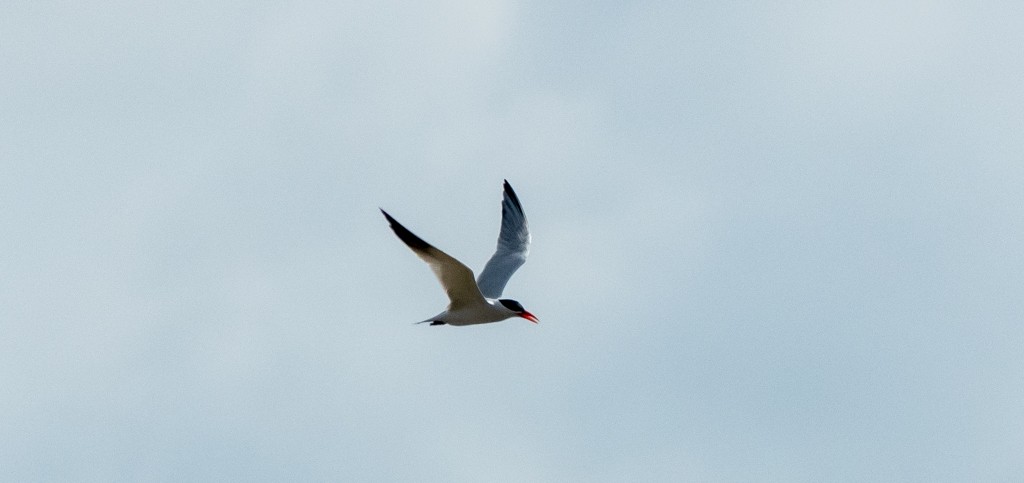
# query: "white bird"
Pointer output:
{"type": "Point", "coordinates": [477, 302]}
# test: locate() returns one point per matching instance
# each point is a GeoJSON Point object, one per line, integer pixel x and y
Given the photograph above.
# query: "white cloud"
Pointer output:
{"type": "Point", "coordinates": [770, 243]}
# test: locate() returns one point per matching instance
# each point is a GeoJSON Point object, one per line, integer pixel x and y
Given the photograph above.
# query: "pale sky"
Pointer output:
{"type": "Point", "coordinates": [771, 242]}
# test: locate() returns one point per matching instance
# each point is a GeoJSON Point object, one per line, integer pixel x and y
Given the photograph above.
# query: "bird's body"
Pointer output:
{"type": "Point", "coordinates": [489, 310]}
{"type": "Point", "coordinates": [477, 301]}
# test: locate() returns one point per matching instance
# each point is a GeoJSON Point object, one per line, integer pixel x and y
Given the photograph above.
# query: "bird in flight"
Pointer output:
{"type": "Point", "coordinates": [477, 302]}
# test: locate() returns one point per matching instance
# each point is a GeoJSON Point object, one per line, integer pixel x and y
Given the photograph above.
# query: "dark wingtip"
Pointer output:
{"type": "Point", "coordinates": [512, 196]}
{"type": "Point", "coordinates": [413, 241]}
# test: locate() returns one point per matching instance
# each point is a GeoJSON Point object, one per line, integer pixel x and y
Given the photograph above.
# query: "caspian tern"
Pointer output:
{"type": "Point", "coordinates": [477, 302]}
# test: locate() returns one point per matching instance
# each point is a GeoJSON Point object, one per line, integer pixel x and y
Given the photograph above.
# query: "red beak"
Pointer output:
{"type": "Point", "coordinates": [528, 316]}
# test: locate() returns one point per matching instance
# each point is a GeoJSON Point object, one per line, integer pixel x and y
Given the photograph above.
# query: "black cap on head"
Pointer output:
{"type": "Point", "coordinates": [512, 305]}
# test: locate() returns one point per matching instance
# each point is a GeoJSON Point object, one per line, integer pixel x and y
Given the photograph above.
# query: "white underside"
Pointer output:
{"type": "Point", "coordinates": [491, 311]}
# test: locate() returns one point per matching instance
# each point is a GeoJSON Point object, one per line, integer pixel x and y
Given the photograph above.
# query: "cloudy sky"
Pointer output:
{"type": "Point", "coordinates": [771, 242]}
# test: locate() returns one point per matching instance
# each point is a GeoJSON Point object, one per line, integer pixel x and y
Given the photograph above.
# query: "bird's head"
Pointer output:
{"type": "Point", "coordinates": [517, 309]}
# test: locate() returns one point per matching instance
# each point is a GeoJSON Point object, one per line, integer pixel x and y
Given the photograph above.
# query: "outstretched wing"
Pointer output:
{"type": "Point", "coordinates": [513, 246]}
{"type": "Point", "coordinates": [455, 277]}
